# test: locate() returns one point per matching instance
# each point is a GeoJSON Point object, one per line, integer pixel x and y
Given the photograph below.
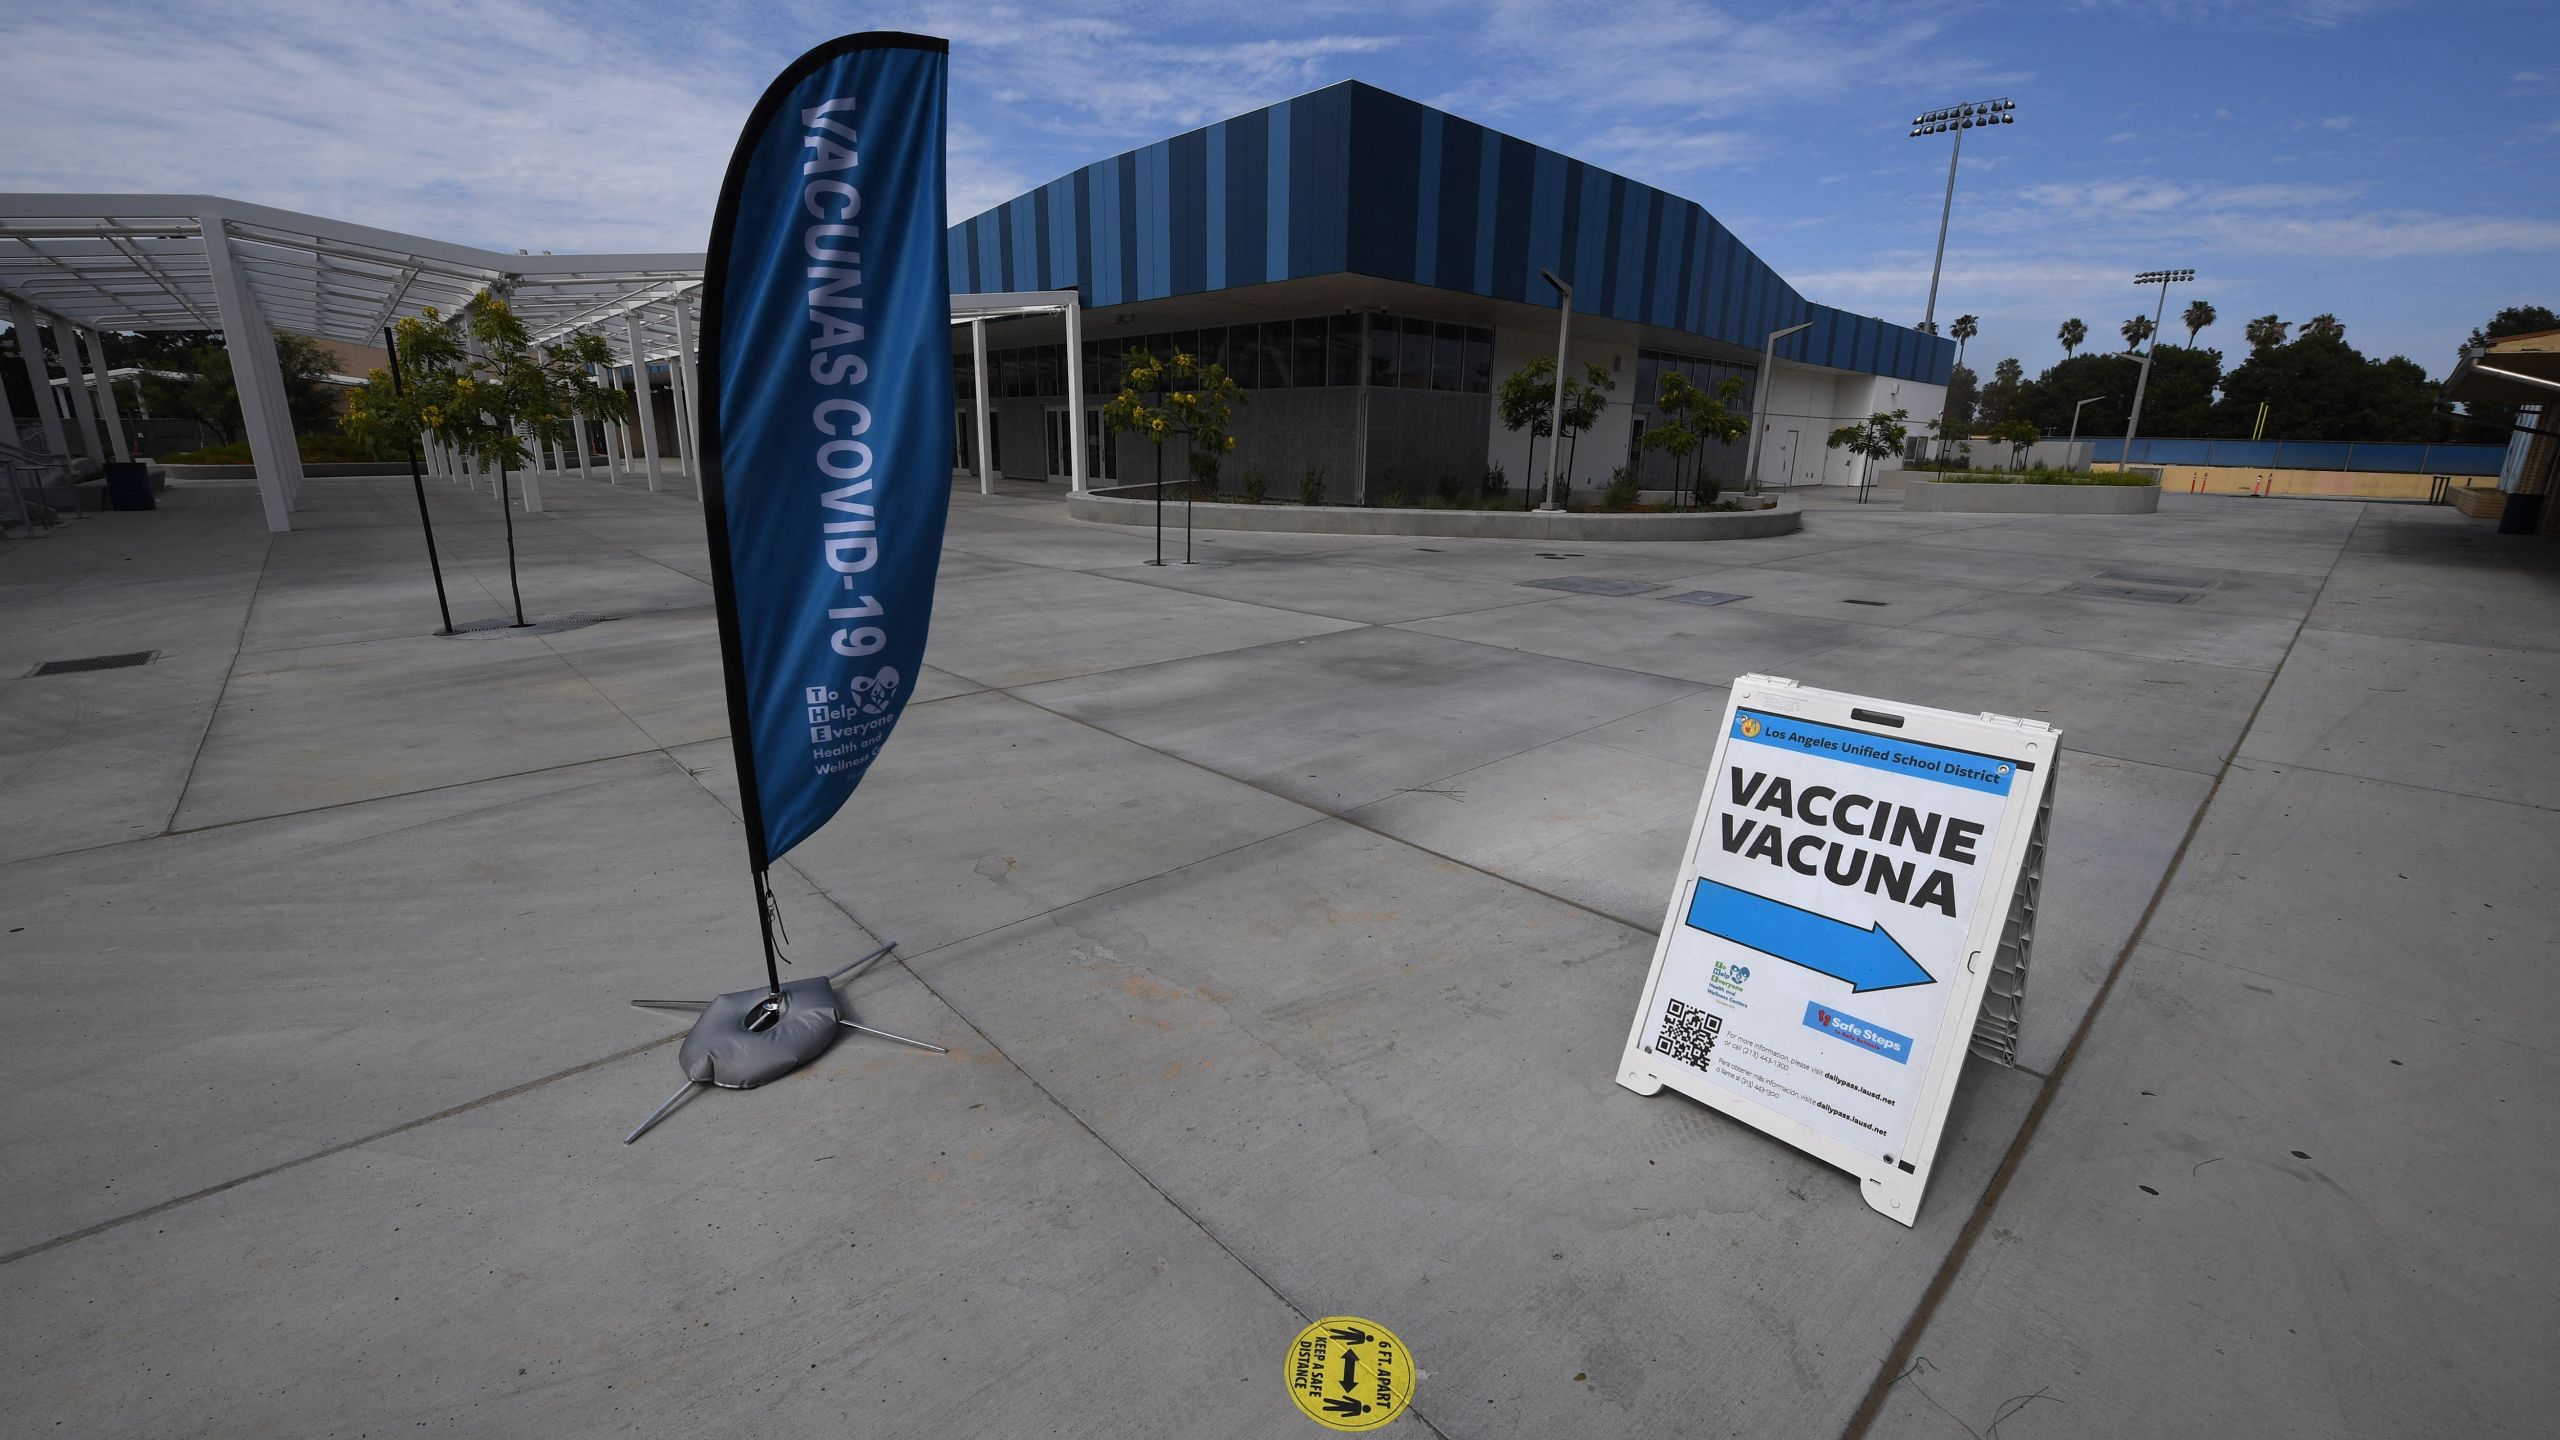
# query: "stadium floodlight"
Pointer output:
{"type": "Point", "coordinates": [1958, 119]}
{"type": "Point", "coordinates": [2133, 422]}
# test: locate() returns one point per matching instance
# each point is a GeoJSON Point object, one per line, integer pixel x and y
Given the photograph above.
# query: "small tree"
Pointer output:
{"type": "Point", "coordinates": [487, 404]}
{"type": "Point", "coordinates": [1186, 396]}
{"type": "Point", "coordinates": [1685, 419]}
{"type": "Point", "coordinates": [2017, 435]}
{"type": "Point", "coordinates": [1527, 401]}
{"type": "Point", "coordinates": [2073, 334]}
{"type": "Point", "coordinates": [1874, 438]}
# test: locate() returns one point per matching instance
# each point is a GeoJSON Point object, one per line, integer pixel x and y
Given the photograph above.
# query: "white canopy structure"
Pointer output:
{"type": "Point", "coordinates": [82, 264]}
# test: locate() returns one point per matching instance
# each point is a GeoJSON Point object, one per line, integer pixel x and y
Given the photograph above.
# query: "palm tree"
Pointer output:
{"type": "Point", "coordinates": [1964, 328]}
{"type": "Point", "coordinates": [2198, 316]}
{"type": "Point", "coordinates": [2135, 331]}
{"type": "Point", "coordinates": [2073, 335]}
{"type": "Point", "coordinates": [2324, 325]}
{"type": "Point", "coordinates": [2265, 332]}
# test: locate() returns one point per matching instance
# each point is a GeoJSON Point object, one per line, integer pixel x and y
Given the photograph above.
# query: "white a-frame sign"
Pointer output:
{"type": "Point", "coordinates": [1854, 913]}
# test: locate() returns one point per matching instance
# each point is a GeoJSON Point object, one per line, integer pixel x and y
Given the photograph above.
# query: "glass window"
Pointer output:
{"type": "Point", "coordinates": [1342, 350]}
{"type": "Point", "coordinates": [1242, 348]}
{"type": "Point", "coordinates": [1213, 346]}
{"type": "Point", "coordinates": [1306, 352]}
{"type": "Point", "coordinates": [1479, 362]}
{"type": "Point", "coordinates": [1446, 363]}
{"type": "Point", "coordinates": [1382, 349]}
{"type": "Point", "coordinates": [1274, 356]}
{"type": "Point", "coordinates": [1413, 355]}
{"type": "Point", "coordinates": [1648, 375]}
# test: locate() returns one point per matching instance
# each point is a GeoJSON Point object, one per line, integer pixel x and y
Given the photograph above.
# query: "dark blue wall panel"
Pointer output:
{"type": "Point", "coordinates": [1353, 179]}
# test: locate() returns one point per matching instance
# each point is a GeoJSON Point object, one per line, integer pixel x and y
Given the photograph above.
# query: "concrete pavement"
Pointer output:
{"type": "Point", "coordinates": [1284, 916]}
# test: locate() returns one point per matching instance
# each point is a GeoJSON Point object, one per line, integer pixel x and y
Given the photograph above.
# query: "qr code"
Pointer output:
{"type": "Point", "coordinates": [1688, 1034]}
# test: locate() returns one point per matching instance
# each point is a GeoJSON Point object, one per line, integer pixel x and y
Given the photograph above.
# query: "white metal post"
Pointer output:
{"type": "Point", "coordinates": [39, 386]}
{"type": "Point", "coordinates": [978, 367]}
{"type": "Point", "coordinates": [1760, 404]}
{"type": "Point", "coordinates": [611, 431]}
{"type": "Point", "coordinates": [1946, 208]}
{"type": "Point", "coordinates": [254, 373]}
{"type": "Point", "coordinates": [2142, 380]}
{"type": "Point", "coordinates": [84, 411]}
{"type": "Point", "coordinates": [692, 385]}
{"type": "Point", "coordinates": [684, 422]}
{"type": "Point", "coordinates": [107, 407]}
{"type": "Point", "coordinates": [280, 413]}
{"type": "Point", "coordinates": [648, 407]}
{"type": "Point", "coordinates": [1078, 481]}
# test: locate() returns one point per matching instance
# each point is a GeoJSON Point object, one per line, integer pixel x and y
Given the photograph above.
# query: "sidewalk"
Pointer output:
{"type": "Point", "coordinates": [1284, 916]}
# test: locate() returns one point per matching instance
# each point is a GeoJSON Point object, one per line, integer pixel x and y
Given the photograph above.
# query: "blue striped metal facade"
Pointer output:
{"type": "Point", "coordinates": [1353, 179]}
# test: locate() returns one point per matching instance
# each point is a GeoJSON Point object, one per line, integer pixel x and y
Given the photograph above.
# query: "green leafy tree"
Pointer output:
{"type": "Point", "coordinates": [2320, 388]}
{"type": "Point", "coordinates": [197, 384]}
{"type": "Point", "coordinates": [2046, 401]}
{"type": "Point", "coordinates": [1964, 394]}
{"type": "Point", "coordinates": [1878, 437]}
{"type": "Point", "coordinates": [1527, 402]}
{"type": "Point", "coordinates": [2073, 334]}
{"type": "Point", "coordinates": [2265, 332]}
{"type": "Point", "coordinates": [2196, 318]}
{"type": "Point", "coordinates": [477, 383]}
{"type": "Point", "coordinates": [2515, 320]}
{"type": "Point", "coordinates": [2135, 331]}
{"type": "Point", "coordinates": [1686, 418]}
{"type": "Point", "coordinates": [2017, 435]}
{"type": "Point", "coordinates": [2000, 397]}
{"type": "Point", "coordinates": [1162, 399]}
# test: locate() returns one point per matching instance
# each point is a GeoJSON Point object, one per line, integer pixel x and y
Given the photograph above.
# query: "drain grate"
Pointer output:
{"type": "Point", "coordinates": [1866, 602]}
{"type": "Point", "coordinates": [1592, 585]}
{"type": "Point", "coordinates": [95, 662]}
{"type": "Point", "coordinates": [1704, 597]}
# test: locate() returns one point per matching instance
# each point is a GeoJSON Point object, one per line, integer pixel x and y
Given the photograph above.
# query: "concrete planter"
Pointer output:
{"type": "Point", "coordinates": [1947, 495]}
{"type": "Point", "coordinates": [1135, 505]}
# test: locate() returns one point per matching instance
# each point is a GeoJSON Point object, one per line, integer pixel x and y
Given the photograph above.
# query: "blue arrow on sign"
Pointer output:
{"type": "Point", "coordinates": [1868, 959]}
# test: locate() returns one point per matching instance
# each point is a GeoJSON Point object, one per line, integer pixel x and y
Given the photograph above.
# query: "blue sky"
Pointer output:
{"type": "Point", "coordinates": [2389, 162]}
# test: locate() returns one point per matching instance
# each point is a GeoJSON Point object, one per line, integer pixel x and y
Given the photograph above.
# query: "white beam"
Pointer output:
{"type": "Point", "coordinates": [107, 395]}
{"type": "Point", "coordinates": [640, 391]}
{"type": "Point", "coordinates": [39, 383]}
{"type": "Point", "coordinates": [84, 411]}
{"type": "Point", "coordinates": [692, 387]}
{"type": "Point", "coordinates": [240, 338]}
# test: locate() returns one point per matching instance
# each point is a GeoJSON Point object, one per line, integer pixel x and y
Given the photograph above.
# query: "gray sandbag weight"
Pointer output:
{"type": "Point", "coordinates": [720, 1049]}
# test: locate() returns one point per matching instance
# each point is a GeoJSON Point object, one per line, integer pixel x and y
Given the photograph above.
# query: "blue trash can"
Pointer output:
{"type": "Point", "coordinates": [129, 486]}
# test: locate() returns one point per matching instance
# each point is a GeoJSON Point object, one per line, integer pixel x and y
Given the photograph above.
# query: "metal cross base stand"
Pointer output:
{"type": "Point", "coordinates": [748, 1038]}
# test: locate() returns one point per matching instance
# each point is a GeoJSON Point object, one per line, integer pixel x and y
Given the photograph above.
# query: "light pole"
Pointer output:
{"type": "Point", "coordinates": [1760, 406]}
{"type": "Point", "coordinates": [2067, 445]}
{"type": "Point", "coordinates": [1956, 119]}
{"type": "Point", "coordinates": [2133, 422]}
{"type": "Point", "coordinates": [1555, 417]}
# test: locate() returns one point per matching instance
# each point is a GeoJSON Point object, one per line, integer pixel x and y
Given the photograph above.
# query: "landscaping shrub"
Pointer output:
{"type": "Point", "coordinates": [1391, 489]}
{"type": "Point", "coordinates": [1311, 486]}
{"type": "Point", "coordinates": [1624, 487]}
{"type": "Point", "coordinates": [1495, 485]}
{"type": "Point", "coordinates": [1255, 487]}
{"type": "Point", "coordinates": [1447, 491]}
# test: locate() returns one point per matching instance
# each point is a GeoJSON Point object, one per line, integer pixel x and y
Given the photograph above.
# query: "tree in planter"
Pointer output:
{"type": "Point", "coordinates": [1527, 401]}
{"type": "Point", "coordinates": [2017, 435]}
{"type": "Point", "coordinates": [1685, 419]}
{"type": "Point", "coordinates": [1160, 399]}
{"type": "Point", "coordinates": [489, 404]}
{"type": "Point", "coordinates": [1875, 438]}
